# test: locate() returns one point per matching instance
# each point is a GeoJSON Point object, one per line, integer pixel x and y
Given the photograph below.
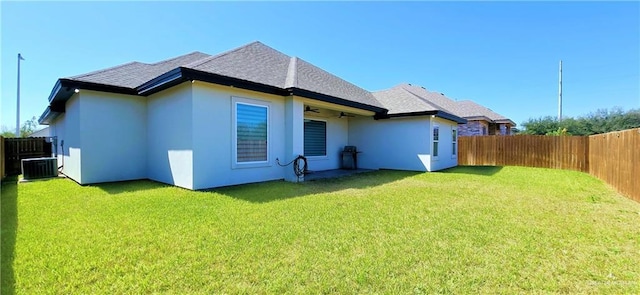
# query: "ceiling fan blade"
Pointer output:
{"type": "Point", "coordinates": [342, 114]}
{"type": "Point", "coordinates": [309, 109]}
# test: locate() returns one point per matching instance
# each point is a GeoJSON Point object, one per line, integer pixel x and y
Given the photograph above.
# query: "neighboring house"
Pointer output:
{"type": "Point", "coordinates": [482, 121]}
{"type": "Point", "coordinates": [44, 132]}
{"type": "Point", "coordinates": [200, 121]}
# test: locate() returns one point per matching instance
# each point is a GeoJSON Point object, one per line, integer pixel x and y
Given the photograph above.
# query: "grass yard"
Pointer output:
{"type": "Point", "coordinates": [465, 230]}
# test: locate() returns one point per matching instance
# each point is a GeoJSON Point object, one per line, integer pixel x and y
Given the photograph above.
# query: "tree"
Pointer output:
{"type": "Point", "coordinates": [6, 132]}
{"type": "Point", "coordinates": [600, 121]}
{"type": "Point", "coordinates": [559, 132]}
{"type": "Point", "coordinates": [29, 127]}
{"type": "Point", "coordinates": [540, 126]}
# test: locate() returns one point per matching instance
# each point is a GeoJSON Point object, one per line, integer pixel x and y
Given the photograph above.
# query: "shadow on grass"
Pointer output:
{"type": "Point", "coordinates": [475, 170]}
{"type": "Point", "coordinates": [265, 192]}
{"type": "Point", "coordinates": [9, 219]}
{"type": "Point", "coordinates": [120, 187]}
{"type": "Point", "coordinates": [269, 191]}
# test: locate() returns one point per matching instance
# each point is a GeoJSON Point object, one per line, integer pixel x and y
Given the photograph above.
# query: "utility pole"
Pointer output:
{"type": "Point", "coordinates": [560, 95]}
{"type": "Point", "coordinates": [18, 99]}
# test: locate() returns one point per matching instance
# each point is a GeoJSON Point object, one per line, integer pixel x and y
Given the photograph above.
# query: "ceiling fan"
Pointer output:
{"type": "Point", "coordinates": [343, 114]}
{"type": "Point", "coordinates": [309, 109]}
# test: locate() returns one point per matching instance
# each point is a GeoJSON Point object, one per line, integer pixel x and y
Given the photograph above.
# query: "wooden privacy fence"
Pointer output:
{"type": "Point", "coordinates": [561, 152]}
{"type": "Point", "coordinates": [613, 157]}
{"type": "Point", "coordinates": [16, 149]}
{"type": "Point", "coordinates": [2, 173]}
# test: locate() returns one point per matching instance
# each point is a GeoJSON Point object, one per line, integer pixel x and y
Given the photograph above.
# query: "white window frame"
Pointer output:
{"type": "Point", "coordinates": [326, 138]}
{"type": "Point", "coordinates": [454, 142]}
{"type": "Point", "coordinates": [234, 132]}
{"type": "Point", "coordinates": [435, 141]}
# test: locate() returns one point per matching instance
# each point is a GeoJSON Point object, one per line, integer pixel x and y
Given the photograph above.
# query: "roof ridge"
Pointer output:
{"type": "Point", "coordinates": [174, 58]}
{"type": "Point", "coordinates": [292, 73]}
{"type": "Point", "coordinates": [212, 57]}
{"type": "Point", "coordinates": [453, 103]}
{"type": "Point", "coordinates": [199, 62]}
{"type": "Point", "coordinates": [430, 103]}
{"type": "Point", "coordinates": [423, 98]}
{"type": "Point", "coordinates": [104, 70]}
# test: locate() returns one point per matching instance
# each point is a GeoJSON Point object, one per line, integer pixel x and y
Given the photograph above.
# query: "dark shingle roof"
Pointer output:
{"type": "Point", "coordinates": [404, 100]}
{"type": "Point", "coordinates": [407, 98]}
{"type": "Point", "coordinates": [254, 62]}
{"type": "Point", "coordinates": [470, 109]}
{"type": "Point", "coordinates": [134, 74]}
{"type": "Point", "coordinates": [312, 78]}
{"type": "Point", "coordinates": [399, 101]}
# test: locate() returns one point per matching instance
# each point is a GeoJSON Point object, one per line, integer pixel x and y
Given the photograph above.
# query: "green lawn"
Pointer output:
{"type": "Point", "coordinates": [465, 230]}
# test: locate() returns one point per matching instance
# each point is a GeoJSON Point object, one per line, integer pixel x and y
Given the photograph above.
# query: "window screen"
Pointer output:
{"type": "Point", "coordinates": [251, 133]}
{"type": "Point", "coordinates": [315, 138]}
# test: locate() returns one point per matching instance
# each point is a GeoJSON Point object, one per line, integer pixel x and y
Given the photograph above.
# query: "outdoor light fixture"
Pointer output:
{"type": "Point", "coordinates": [77, 90]}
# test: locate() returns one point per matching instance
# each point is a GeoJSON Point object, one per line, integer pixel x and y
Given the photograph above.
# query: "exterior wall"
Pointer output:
{"type": "Point", "coordinates": [402, 143]}
{"type": "Point", "coordinates": [446, 158]}
{"type": "Point", "coordinates": [169, 136]}
{"type": "Point", "coordinates": [473, 128]}
{"type": "Point", "coordinates": [56, 128]}
{"type": "Point", "coordinates": [67, 128]}
{"type": "Point", "coordinates": [213, 161]}
{"type": "Point", "coordinates": [398, 143]}
{"type": "Point", "coordinates": [293, 134]}
{"type": "Point", "coordinates": [113, 137]}
{"type": "Point", "coordinates": [337, 138]}
{"type": "Point", "coordinates": [184, 136]}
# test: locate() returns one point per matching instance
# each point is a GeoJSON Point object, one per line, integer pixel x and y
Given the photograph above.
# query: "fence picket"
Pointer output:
{"type": "Point", "coordinates": [613, 157]}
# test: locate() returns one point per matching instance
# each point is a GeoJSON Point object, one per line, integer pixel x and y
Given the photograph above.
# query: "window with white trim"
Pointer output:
{"type": "Point", "coordinates": [436, 140]}
{"type": "Point", "coordinates": [315, 138]}
{"type": "Point", "coordinates": [454, 142]}
{"type": "Point", "coordinates": [251, 132]}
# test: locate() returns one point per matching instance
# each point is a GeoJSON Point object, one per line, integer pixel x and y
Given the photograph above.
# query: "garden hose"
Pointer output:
{"type": "Point", "coordinates": [298, 169]}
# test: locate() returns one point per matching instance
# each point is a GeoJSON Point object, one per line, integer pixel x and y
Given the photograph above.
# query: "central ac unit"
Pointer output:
{"type": "Point", "coordinates": [39, 168]}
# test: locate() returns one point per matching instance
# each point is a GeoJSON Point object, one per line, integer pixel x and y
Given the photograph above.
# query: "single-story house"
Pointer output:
{"type": "Point", "coordinates": [482, 121]}
{"type": "Point", "coordinates": [200, 121]}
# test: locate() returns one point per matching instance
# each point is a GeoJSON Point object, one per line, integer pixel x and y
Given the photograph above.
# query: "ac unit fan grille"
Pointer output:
{"type": "Point", "coordinates": [39, 168]}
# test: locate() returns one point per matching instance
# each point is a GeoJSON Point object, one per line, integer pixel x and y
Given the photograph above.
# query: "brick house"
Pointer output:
{"type": "Point", "coordinates": [481, 120]}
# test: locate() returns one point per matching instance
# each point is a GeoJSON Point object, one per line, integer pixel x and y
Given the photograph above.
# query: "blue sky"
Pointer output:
{"type": "Point", "coordinates": [503, 55]}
